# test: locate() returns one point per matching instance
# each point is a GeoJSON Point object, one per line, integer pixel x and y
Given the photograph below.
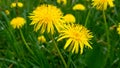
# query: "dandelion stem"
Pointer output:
{"type": "Point", "coordinates": [86, 21]}
{"type": "Point", "coordinates": [69, 59]}
{"type": "Point", "coordinates": [107, 33]}
{"type": "Point", "coordinates": [59, 53]}
{"type": "Point", "coordinates": [25, 42]}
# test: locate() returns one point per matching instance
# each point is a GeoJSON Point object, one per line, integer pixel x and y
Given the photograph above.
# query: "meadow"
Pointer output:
{"type": "Point", "coordinates": [59, 34]}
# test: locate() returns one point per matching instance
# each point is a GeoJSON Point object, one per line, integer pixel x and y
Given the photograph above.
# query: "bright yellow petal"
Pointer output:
{"type": "Point", "coordinates": [49, 27]}
{"type": "Point", "coordinates": [62, 37]}
{"type": "Point", "coordinates": [38, 26]}
{"type": "Point", "coordinates": [52, 28]}
{"type": "Point", "coordinates": [87, 44]}
{"type": "Point", "coordinates": [77, 47]}
{"type": "Point", "coordinates": [105, 6]}
{"type": "Point", "coordinates": [111, 3]}
{"type": "Point", "coordinates": [74, 47]}
{"type": "Point", "coordinates": [43, 28]}
{"type": "Point", "coordinates": [67, 43]}
{"type": "Point", "coordinates": [81, 48]}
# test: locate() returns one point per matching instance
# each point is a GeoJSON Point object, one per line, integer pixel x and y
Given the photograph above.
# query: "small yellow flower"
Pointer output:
{"type": "Point", "coordinates": [13, 5]}
{"type": "Point", "coordinates": [102, 4]}
{"type": "Point", "coordinates": [7, 12]}
{"type": "Point", "coordinates": [79, 7]}
{"type": "Point", "coordinates": [69, 18]}
{"type": "Point", "coordinates": [77, 37]}
{"type": "Point", "coordinates": [62, 1]}
{"type": "Point", "coordinates": [17, 22]}
{"type": "Point", "coordinates": [118, 29]}
{"type": "Point", "coordinates": [47, 18]}
{"type": "Point", "coordinates": [19, 4]}
{"type": "Point", "coordinates": [41, 39]}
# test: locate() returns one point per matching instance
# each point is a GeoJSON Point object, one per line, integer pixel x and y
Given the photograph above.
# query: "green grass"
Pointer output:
{"type": "Point", "coordinates": [15, 54]}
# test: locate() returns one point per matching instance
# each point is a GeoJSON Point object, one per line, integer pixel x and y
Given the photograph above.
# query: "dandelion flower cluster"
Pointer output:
{"type": "Point", "coordinates": [17, 22]}
{"type": "Point", "coordinates": [69, 18]}
{"type": "Point", "coordinates": [41, 39]}
{"type": "Point", "coordinates": [79, 7]}
{"type": "Point", "coordinates": [77, 37]}
{"type": "Point", "coordinates": [47, 18]}
{"type": "Point", "coordinates": [102, 4]}
{"type": "Point", "coordinates": [118, 29]}
{"type": "Point", "coordinates": [19, 4]}
{"type": "Point", "coordinates": [62, 1]}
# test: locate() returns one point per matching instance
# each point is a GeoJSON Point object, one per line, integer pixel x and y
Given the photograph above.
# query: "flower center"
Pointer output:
{"type": "Point", "coordinates": [76, 35]}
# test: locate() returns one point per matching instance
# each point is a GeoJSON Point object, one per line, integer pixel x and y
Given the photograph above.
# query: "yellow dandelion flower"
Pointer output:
{"type": "Point", "coordinates": [62, 1]}
{"type": "Point", "coordinates": [7, 12]}
{"type": "Point", "coordinates": [77, 37]}
{"type": "Point", "coordinates": [17, 22]}
{"type": "Point", "coordinates": [118, 29]}
{"type": "Point", "coordinates": [20, 4]}
{"type": "Point", "coordinates": [79, 7]}
{"type": "Point", "coordinates": [13, 5]}
{"type": "Point", "coordinates": [41, 39]}
{"type": "Point", "coordinates": [46, 18]}
{"type": "Point", "coordinates": [102, 4]}
{"type": "Point", "coordinates": [69, 18]}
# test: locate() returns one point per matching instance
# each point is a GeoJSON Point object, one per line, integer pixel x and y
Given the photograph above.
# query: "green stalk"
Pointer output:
{"type": "Point", "coordinates": [107, 36]}
{"type": "Point", "coordinates": [88, 15]}
{"type": "Point", "coordinates": [59, 53]}
{"type": "Point", "coordinates": [69, 59]}
{"type": "Point", "coordinates": [25, 42]}
{"type": "Point", "coordinates": [107, 31]}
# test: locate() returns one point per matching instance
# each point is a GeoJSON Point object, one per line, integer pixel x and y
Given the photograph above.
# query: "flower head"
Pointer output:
{"type": "Point", "coordinates": [102, 4]}
{"type": "Point", "coordinates": [19, 4]}
{"type": "Point", "coordinates": [77, 37]}
{"type": "Point", "coordinates": [62, 1]}
{"type": "Point", "coordinates": [47, 17]}
{"type": "Point", "coordinates": [79, 7]}
{"type": "Point", "coordinates": [7, 12]}
{"type": "Point", "coordinates": [69, 18]}
{"type": "Point", "coordinates": [118, 29]}
{"type": "Point", "coordinates": [41, 39]}
{"type": "Point", "coordinates": [13, 5]}
{"type": "Point", "coordinates": [17, 22]}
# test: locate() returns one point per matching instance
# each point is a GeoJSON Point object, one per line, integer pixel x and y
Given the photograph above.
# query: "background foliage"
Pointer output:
{"type": "Point", "coordinates": [13, 53]}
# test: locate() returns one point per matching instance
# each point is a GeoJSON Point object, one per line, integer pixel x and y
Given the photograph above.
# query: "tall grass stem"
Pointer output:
{"type": "Point", "coordinates": [24, 41]}
{"type": "Point", "coordinates": [63, 60]}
